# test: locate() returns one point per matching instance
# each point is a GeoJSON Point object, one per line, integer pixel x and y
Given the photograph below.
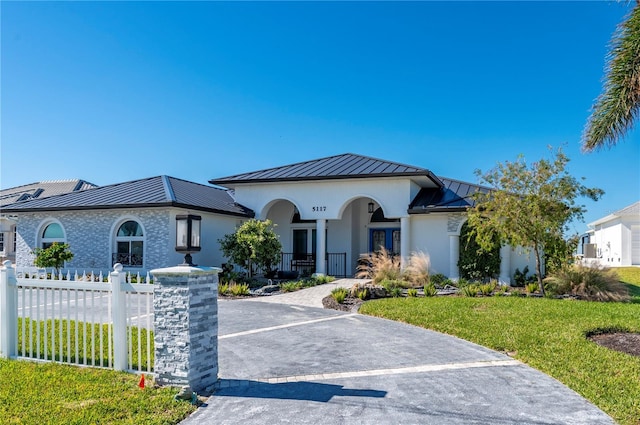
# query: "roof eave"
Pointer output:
{"type": "Point", "coordinates": [232, 182]}
{"type": "Point", "coordinates": [249, 214]}
{"type": "Point", "coordinates": [420, 210]}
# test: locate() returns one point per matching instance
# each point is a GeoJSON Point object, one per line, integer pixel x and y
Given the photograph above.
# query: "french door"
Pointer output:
{"type": "Point", "coordinates": [385, 238]}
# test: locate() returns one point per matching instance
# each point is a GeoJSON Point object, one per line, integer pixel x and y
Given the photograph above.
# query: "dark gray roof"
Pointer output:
{"type": "Point", "coordinates": [345, 166]}
{"type": "Point", "coordinates": [151, 192]}
{"type": "Point", "coordinates": [41, 190]}
{"type": "Point", "coordinates": [454, 196]}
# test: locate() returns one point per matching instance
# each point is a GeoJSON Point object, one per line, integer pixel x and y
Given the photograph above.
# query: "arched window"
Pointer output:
{"type": "Point", "coordinates": [52, 232]}
{"type": "Point", "coordinates": [129, 249]}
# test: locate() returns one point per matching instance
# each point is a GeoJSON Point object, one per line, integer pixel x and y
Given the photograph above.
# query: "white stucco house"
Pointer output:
{"type": "Point", "coordinates": [132, 223]}
{"type": "Point", "coordinates": [328, 212]}
{"type": "Point", "coordinates": [331, 210]}
{"type": "Point", "coordinates": [614, 240]}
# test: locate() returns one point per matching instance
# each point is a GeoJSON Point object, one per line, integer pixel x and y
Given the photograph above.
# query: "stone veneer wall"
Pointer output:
{"type": "Point", "coordinates": [91, 234]}
{"type": "Point", "coordinates": [185, 303]}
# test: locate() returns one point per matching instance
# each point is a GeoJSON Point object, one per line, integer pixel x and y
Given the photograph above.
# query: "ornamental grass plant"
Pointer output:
{"type": "Point", "coordinates": [417, 270]}
{"type": "Point", "coordinates": [595, 283]}
{"type": "Point", "coordinates": [379, 266]}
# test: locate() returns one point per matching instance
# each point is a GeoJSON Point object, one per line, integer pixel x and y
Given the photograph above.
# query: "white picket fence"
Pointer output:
{"type": "Point", "coordinates": [77, 318]}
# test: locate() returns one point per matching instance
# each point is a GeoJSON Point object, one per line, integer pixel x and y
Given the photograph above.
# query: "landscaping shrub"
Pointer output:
{"type": "Point", "coordinates": [223, 288]}
{"type": "Point", "coordinates": [501, 290]}
{"type": "Point", "coordinates": [487, 288]}
{"type": "Point", "coordinates": [237, 289]}
{"type": "Point", "coordinates": [390, 284]}
{"type": "Point", "coordinates": [290, 286]}
{"type": "Point", "coordinates": [339, 294]}
{"type": "Point", "coordinates": [461, 283]}
{"type": "Point", "coordinates": [589, 283]}
{"type": "Point", "coordinates": [520, 278]}
{"type": "Point", "coordinates": [474, 262]}
{"type": "Point", "coordinates": [430, 290]}
{"type": "Point", "coordinates": [470, 290]}
{"type": "Point", "coordinates": [322, 279]}
{"type": "Point", "coordinates": [396, 292]}
{"type": "Point", "coordinates": [363, 294]}
{"type": "Point", "coordinates": [531, 288]}
{"type": "Point", "coordinates": [412, 292]}
{"type": "Point", "coordinates": [438, 279]}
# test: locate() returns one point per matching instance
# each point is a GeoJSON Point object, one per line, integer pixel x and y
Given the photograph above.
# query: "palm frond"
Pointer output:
{"type": "Point", "coordinates": [618, 107]}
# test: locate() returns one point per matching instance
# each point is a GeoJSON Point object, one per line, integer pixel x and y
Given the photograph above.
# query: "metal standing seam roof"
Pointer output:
{"type": "Point", "coordinates": [150, 192]}
{"type": "Point", "coordinates": [345, 166]}
{"type": "Point", "coordinates": [41, 190]}
{"type": "Point", "coordinates": [454, 196]}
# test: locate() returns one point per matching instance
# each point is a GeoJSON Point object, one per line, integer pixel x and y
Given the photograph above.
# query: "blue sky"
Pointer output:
{"type": "Point", "coordinates": [115, 91]}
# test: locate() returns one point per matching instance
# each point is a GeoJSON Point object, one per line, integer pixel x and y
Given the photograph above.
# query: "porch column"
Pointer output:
{"type": "Point", "coordinates": [454, 255]}
{"type": "Point", "coordinates": [405, 239]}
{"type": "Point", "coordinates": [505, 265]}
{"type": "Point", "coordinates": [321, 248]}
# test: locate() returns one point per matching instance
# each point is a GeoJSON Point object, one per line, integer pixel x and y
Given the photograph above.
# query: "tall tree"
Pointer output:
{"type": "Point", "coordinates": [618, 107]}
{"type": "Point", "coordinates": [529, 206]}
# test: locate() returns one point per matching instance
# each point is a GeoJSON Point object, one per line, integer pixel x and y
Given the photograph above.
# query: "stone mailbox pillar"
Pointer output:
{"type": "Point", "coordinates": [185, 304]}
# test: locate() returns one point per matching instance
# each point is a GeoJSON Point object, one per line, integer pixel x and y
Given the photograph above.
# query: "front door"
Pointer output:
{"type": "Point", "coordinates": [385, 238]}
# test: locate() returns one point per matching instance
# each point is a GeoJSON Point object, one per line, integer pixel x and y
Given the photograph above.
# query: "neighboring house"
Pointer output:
{"type": "Point", "coordinates": [614, 240]}
{"type": "Point", "coordinates": [27, 192]}
{"type": "Point", "coordinates": [331, 210]}
{"type": "Point", "coordinates": [133, 223]}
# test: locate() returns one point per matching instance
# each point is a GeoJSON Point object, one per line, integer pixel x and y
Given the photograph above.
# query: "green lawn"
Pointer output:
{"type": "Point", "coordinates": [547, 334]}
{"type": "Point", "coordinates": [50, 393]}
{"type": "Point", "coordinates": [631, 277]}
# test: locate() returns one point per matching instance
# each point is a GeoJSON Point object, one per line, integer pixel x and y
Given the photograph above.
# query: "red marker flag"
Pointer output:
{"type": "Point", "coordinates": [141, 383]}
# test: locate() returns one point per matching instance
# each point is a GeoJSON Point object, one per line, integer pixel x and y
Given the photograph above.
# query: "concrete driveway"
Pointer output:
{"type": "Point", "coordinates": [288, 363]}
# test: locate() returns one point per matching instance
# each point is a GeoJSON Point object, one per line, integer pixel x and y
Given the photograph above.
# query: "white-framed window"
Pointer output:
{"type": "Point", "coordinates": [129, 244]}
{"type": "Point", "coordinates": [51, 232]}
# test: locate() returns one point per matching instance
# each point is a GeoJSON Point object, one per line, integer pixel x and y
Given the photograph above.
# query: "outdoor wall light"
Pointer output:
{"type": "Point", "coordinates": [188, 236]}
{"type": "Point", "coordinates": [370, 207]}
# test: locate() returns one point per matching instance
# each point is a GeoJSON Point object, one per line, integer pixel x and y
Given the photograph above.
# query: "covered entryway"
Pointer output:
{"type": "Point", "coordinates": [300, 242]}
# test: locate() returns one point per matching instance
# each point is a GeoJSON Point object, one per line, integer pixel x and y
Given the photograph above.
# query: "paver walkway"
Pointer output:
{"type": "Point", "coordinates": [310, 297]}
{"type": "Point", "coordinates": [290, 363]}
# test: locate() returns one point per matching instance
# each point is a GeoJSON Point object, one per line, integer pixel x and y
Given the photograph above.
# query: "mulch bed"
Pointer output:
{"type": "Point", "coordinates": [620, 341]}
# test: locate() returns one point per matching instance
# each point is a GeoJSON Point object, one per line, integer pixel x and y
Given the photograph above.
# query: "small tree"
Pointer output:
{"type": "Point", "coordinates": [254, 244]}
{"type": "Point", "coordinates": [53, 256]}
{"type": "Point", "coordinates": [477, 263]}
{"type": "Point", "coordinates": [529, 206]}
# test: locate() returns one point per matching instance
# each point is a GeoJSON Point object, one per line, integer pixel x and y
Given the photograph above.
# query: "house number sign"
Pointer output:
{"type": "Point", "coordinates": [318, 209]}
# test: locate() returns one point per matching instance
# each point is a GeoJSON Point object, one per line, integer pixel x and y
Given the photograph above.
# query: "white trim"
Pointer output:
{"type": "Point", "coordinates": [264, 211]}
{"type": "Point", "coordinates": [41, 228]}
